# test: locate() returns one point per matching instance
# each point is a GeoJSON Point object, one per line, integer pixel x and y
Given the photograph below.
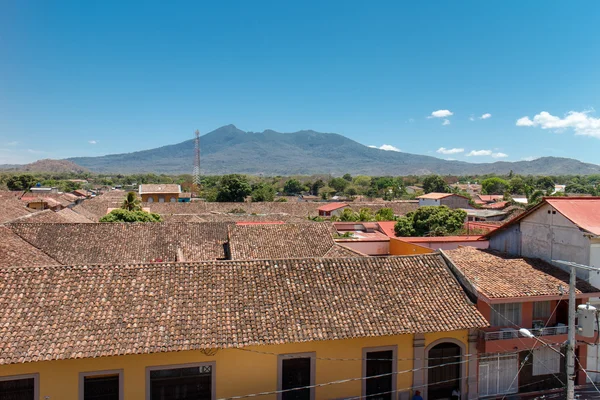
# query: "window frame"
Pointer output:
{"type": "Point", "coordinates": [213, 375]}
{"type": "Point", "coordinates": [313, 370]}
{"type": "Point", "coordinates": [546, 304]}
{"type": "Point", "coordinates": [36, 381]}
{"type": "Point", "coordinates": [118, 372]}
{"type": "Point", "coordinates": [504, 320]}
{"type": "Point", "coordinates": [365, 350]}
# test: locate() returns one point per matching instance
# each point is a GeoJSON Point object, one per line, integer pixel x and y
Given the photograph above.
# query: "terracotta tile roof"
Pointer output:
{"type": "Point", "coordinates": [387, 227]}
{"type": "Point", "coordinates": [497, 275]}
{"type": "Point", "coordinates": [11, 207]}
{"type": "Point", "coordinates": [339, 250]}
{"type": "Point", "coordinates": [250, 242]}
{"type": "Point", "coordinates": [496, 206]}
{"type": "Point", "coordinates": [105, 243]}
{"type": "Point", "coordinates": [15, 251]}
{"type": "Point", "coordinates": [45, 216]}
{"type": "Point", "coordinates": [435, 196]}
{"type": "Point", "coordinates": [332, 206]}
{"type": "Point", "coordinates": [265, 210]}
{"type": "Point", "coordinates": [490, 198]}
{"type": "Point", "coordinates": [109, 310]}
{"type": "Point", "coordinates": [68, 215]}
{"type": "Point", "coordinates": [159, 188]}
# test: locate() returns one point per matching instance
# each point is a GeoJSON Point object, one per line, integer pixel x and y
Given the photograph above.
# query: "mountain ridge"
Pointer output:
{"type": "Point", "coordinates": [306, 152]}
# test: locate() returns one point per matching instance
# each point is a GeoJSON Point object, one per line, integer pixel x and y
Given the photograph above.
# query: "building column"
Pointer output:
{"type": "Point", "coordinates": [419, 362]}
{"type": "Point", "coordinates": [473, 392]}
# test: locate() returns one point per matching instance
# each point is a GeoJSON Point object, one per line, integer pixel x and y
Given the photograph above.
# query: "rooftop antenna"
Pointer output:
{"type": "Point", "coordinates": [196, 172]}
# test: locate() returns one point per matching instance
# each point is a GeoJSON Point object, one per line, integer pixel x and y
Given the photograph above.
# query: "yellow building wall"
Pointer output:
{"type": "Point", "coordinates": [401, 248]}
{"type": "Point", "coordinates": [155, 197]}
{"type": "Point", "coordinates": [238, 372]}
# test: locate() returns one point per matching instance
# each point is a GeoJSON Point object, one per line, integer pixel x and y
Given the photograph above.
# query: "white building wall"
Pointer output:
{"type": "Point", "coordinates": [548, 235]}
{"type": "Point", "coordinates": [429, 202]}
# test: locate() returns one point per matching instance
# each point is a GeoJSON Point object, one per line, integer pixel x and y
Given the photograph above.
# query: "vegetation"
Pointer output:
{"type": "Point", "coordinates": [131, 202]}
{"type": "Point", "coordinates": [430, 221]}
{"type": "Point", "coordinates": [20, 182]}
{"type": "Point", "coordinates": [233, 188]}
{"type": "Point", "coordinates": [495, 185]}
{"type": "Point", "coordinates": [435, 184]}
{"type": "Point", "coordinates": [263, 192]}
{"type": "Point", "coordinates": [121, 215]}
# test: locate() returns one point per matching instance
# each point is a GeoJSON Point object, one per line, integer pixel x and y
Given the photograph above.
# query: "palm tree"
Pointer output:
{"type": "Point", "coordinates": [131, 202]}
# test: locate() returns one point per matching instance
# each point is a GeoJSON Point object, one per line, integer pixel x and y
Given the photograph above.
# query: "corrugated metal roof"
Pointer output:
{"type": "Point", "coordinates": [582, 211]}
{"type": "Point", "coordinates": [332, 206]}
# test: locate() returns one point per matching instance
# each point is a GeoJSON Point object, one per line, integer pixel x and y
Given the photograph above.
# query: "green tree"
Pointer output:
{"type": "Point", "coordinates": [435, 184]}
{"type": "Point", "coordinates": [347, 177]}
{"type": "Point", "coordinates": [362, 181]}
{"type": "Point", "coordinates": [348, 215]}
{"type": "Point", "coordinates": [293, 186]}
{"type": "Point", "coordinates": [365, 215]}
{"type": "Point", "coordinates": [430, 221]}
{"type": "Point", "coordinates": [517, 185]}
{"type": "Point", "coordinates": [20, 182]}
{"type": "Point", "coordinates": [325, 192]}
{"type": "Point", "coordinates": [351, 191]}
{"type": "Point", "coordinates": [314, 188]}
{"type": "Point", "coordinates": [131, 202]}
{"type": "Point", "coordinates": [494, 185]}
{"type": "Point", "coordinates": [339, 184]}
{"type": "Point", "coordinates": [385, 214]}
{"type": "Point", "coordinates": [545, 183]}
{"type": "Point", "coordinates": [121, 215]}
{"type": "Point", "coordinates": [233, 188]}
{"type": "Point", "coordinates": [263, 192]}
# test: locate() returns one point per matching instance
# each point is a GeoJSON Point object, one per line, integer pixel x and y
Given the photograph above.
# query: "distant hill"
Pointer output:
{"type": "Point", "coordinates": [47, 165]}
{"type": "Point", "coordinates": [231, 150]}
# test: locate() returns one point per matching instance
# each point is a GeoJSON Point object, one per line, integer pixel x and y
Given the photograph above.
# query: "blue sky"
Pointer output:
{"type": "Point", "coordinates": [91, 78]}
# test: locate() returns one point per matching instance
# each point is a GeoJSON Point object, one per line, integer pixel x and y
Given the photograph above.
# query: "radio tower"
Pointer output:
{"type": "Point", "coordinates": [196, 172]}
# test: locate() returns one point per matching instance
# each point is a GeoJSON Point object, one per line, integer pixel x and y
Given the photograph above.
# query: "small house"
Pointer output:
{"type": "Point", "coordinates": [450, 200]}
{"type": "Point", "coordinates": [160, 193]}
{"type": "Point", "coordinates": [331, 209]}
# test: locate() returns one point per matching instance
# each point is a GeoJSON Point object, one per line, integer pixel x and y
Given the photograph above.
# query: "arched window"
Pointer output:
{"type": "Point", "coordinates": [445, 370]}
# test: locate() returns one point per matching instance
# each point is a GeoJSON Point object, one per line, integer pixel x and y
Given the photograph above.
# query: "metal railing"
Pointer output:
{"type": "Point", "coordinates": [509, 333]}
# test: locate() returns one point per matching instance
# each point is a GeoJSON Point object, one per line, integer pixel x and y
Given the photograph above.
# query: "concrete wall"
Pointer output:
{"type": "Point", "coordinates": [548, 235]}
{"type": "Point", "coordinates": [429, 202]}
{"type": "Point", "coordinates": [479, 244]}
{"type": "Point", "coordinates": [455, 202]}
{"type": "Point", "coordinates": [370, 248]}
{"type": "Point", "coordinates": [507, 240]}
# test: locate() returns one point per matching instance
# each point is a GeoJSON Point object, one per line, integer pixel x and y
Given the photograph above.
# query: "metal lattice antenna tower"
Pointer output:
{"type": "Point", "coordinates": [196, 172]}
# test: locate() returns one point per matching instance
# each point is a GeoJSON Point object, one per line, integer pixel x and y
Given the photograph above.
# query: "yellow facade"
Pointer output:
{"type": "Point", "coordinates": [238, 372]}
{"type": "Point", "coordinates": [402, 248]}
{"type": "Point", "coordinates": [159, 198]}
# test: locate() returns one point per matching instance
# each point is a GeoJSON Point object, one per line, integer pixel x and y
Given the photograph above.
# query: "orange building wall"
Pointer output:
{"type": "Point", "coordinates": [401, 248]}
{"type": "Point", "coordinates": [155, 197]}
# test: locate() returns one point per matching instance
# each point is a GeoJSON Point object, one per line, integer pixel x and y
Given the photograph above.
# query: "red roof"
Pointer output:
{"type": "Point", "coordinates": [437, 196]}
{"type": "Point", "coordinates": [441, 239]}
{"type": "Point", "coordinates": [490, 198]}
{"type": "Point", "coordinates": [496, 206]}
{"type": "Point", "coordinates": [332, 206]}
{"type": "Point", "coordinates": [582, 211]}
{"type": "Point", "coordinates": [387, 227]}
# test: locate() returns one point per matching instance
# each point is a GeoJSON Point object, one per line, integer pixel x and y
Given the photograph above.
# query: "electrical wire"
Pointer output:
{"type": "Point", "coordinates": [586, 374]}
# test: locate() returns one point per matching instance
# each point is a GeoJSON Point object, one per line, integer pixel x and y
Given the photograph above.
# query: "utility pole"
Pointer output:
{"type": "Point", "coordinates": [571, 343]}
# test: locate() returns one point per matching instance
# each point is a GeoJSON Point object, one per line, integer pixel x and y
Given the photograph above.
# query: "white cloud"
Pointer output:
{"type": "Point", "coordinates": [499, 155]}
{"type": "Point", "coordinates": [479, 153]}
{"type": "Point", "coordinates": [13, 143]}
{"type": "Point", "coordinates": [530, 158]}
{"type": "Point", "coordinates": [486, 116]}
{"type": "Point", "coordinates": [525, 121]}
{"type": "Point", "coordinates": [411, 120]}
{"type": "Point", "coordinates": [446, 122]}
{"type": "Point", "coordinates": [454, 150]}
{"type": "Point", "coordinates": [386, 147]}
{"type": "Point", "coordinates": [35, 151]}
{"type": "Point", "coordinates": [441, 114]}
{"type": "Point", "coordinates": [580, 121]}
{"type": "Point", "coordinates": [471, 118]}
{"type": "Point", "coordinates": [92, 141]}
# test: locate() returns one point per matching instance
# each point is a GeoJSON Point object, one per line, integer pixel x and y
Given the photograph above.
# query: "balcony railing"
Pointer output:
{"type": "Point", "coordinates": [509, 333]}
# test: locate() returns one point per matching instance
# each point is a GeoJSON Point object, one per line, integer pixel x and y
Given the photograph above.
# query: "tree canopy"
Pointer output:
{"type": "Point", "coordinates": [131, 202]}
{"type": "Point", "coordinates": [494, 185]}
{"type": "Point", "coordinates": [430, 221]}
{"type": "Point", "coordinates": [435, 184]}
{"type": "Point", "coordinates": [263, 192]}
{"type": "Point", "coordinates": [20, 182]}
{"type": "Point", "coordinates": [293, 186]}
{"type": "Point", "coordinates": [121, 215]}
{"type": "Point", "coordinates": [233, 188]}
